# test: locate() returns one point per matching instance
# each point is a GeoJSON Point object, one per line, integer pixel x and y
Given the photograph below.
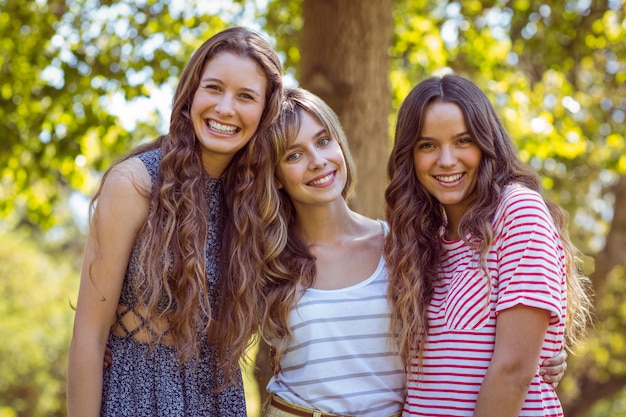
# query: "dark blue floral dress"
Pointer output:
{"type": "Point", "coordinates": [141, 383]}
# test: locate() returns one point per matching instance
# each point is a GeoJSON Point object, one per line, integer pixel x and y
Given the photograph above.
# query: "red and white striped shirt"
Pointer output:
{"type": "Point", "coordinates": [526, 265]}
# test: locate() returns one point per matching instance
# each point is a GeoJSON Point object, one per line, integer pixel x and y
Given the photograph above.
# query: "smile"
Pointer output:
{"type": "Point", "coordinates": [221, 128]}
{"type": "Point", "coordinates": [448, 179]}
{"type": "Point", "coordinates": [323, 180]}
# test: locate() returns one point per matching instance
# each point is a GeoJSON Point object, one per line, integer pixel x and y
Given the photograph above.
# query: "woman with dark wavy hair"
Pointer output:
{"type": "Point", "coordinates": [169, 279]}
{"type": "Point", "coordinates": [483, 276]}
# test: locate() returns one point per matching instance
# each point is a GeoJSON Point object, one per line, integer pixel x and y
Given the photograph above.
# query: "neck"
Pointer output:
{"type": "Point", "coordinates": [328, 223]}
{"type": "Point", "coordinates": [452, 228]}
{"type": "Point", "coordinates": [215, 167]}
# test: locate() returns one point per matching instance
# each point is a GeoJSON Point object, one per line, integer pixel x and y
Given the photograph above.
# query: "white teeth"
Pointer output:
{"type": "Point", "coordinates": [322, 180]}
{"type": "Point", "coordinates": [448, 178]}
{"type": "Point", "coordinates": [220, 128]}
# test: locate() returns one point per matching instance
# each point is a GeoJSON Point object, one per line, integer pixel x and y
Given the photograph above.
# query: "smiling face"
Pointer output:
{"type": "Point", "coordinates": [227, 108]}
{"type": "Point", "coordinates": [447, 159]}
{"type": "Point", "coordinates": [313, 168]}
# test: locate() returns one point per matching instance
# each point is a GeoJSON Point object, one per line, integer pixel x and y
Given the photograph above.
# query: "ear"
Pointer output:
{"type": "Point", "coordinates": [279, 184]}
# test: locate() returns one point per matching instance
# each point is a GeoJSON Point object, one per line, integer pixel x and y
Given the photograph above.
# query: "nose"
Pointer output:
{"type": "Point", "coordinates": [225, 106]}
{"type": "Point", "coordinates": [447, 157]}
{"type": "Point", "coordinates": [317, 161]}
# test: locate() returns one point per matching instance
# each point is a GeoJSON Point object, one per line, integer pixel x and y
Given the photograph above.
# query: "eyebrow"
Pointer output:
{"type": "Point", "coordinates": [458, 135]}
{"type": "Point", "coordinates": [217, 80]}
{"type": "Point", "coordinates": [317, 135]}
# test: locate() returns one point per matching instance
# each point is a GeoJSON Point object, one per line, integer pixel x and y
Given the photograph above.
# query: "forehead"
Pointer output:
{"type": "Point", "coordinates": [305, 125]}
{"type": "Point", "coordinates": [233, 67]}
{"type": "Point", "coordinates": [443, 116]}
{"type": "Point", "coordinates": [441, 110]}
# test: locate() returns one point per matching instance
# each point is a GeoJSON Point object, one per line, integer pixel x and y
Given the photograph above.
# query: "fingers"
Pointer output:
{"type": "Point", "coordinates": [553, 374]}
{"type": "Point", "coordinates": [553, 370]}
{"type": "Point", "coordinates": [559, 359]}
{"type": "Point", "coordinates": [108, 358]}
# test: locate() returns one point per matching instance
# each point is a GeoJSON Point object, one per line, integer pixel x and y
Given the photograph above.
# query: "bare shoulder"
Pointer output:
{"type": "Point", "coordinates": [125, 193]}
{"type": "Point", "coordinates": [129, 173]}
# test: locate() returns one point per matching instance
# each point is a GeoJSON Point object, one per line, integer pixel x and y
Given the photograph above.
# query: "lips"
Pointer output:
{"type": "Point", "coordinates": [221, 128]}
{"type": "Point", "coordinates": [449, 179]}
{"type": "Point", "coordinates": [323, 179]}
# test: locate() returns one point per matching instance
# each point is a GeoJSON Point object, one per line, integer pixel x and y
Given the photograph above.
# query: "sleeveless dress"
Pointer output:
{"type": "Point", "coordinates": [141, 383]}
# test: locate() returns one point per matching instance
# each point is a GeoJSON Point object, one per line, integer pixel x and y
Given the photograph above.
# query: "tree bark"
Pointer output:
{"type": "Point", "coordinates": [345, 60]}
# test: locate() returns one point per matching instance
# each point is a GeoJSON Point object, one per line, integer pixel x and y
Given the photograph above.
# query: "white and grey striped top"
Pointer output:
{"type": "Point", "coordinates": [343, 359]}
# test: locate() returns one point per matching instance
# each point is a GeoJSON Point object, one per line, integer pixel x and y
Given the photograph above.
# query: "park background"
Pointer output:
{"type": "Point", "coordinates": [81, 81]}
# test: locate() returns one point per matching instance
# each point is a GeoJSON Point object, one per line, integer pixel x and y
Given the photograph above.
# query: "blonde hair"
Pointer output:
{"type": "Point", "coordinates": [290, 264]}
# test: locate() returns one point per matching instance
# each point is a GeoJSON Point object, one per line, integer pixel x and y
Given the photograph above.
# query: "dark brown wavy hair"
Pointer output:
{"type": "Point", "coordinates": [412, 248]}
{"type": "Point", "coordinates": [291, 266]}
{"type": "Point", "coordinates": [173, 248]}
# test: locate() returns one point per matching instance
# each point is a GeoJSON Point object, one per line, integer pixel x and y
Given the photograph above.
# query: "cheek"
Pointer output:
{"type": "Point", "coordinates": [256, 115]}
{"type": "Point", "coordinates": [479, 159]}
{"type": "Point", "coordinates": [199, 102]}
{"type": "Point", "coordinates": [476, 168]}
{"type": "Point", "coordinates": [282, 177]}
{"type": "Point", "coordinates": [419, 165]}
{"type": "Point", "coordinates": [338, 156]}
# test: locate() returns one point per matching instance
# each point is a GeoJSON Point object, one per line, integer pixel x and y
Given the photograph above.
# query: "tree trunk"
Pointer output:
{"type": "Point", "coordinates": [345, 60]}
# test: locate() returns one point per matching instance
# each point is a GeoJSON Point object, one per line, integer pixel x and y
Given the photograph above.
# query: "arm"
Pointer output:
{"type": "Point", "coordinates": [520, 332]}
{"type": "Point", "coordinates": [120, 211]}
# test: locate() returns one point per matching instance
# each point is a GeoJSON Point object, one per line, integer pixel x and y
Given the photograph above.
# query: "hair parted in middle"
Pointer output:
{"type": "Point", "coordinates": [291, 266]}
{"type": "Point", "coordinates": [172, 251]}
{"type": "Point", "coordinates": [416, 217]}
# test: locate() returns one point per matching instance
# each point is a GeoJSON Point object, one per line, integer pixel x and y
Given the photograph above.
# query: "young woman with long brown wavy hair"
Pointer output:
{"type": "Point", "coordinates": [169, 278]}
{"type": "Point", "coordinates": [483, 277]}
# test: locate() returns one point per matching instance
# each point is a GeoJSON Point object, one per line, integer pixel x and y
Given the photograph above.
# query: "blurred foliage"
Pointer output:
{"type": "Point", "coordinates": [556, 70]}
{"type": "Point", "coordinates": [34, 331]}
{"type": "Point", "coordinates": [65, 66]}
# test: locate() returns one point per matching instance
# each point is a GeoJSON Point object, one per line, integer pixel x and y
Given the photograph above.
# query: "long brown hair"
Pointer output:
{"type": "Point", "coordinates": [291, 266]}
{"type": "Point", "coordinates": [172, 248]}
{"type": "Point", "coordinates": [415, 217]}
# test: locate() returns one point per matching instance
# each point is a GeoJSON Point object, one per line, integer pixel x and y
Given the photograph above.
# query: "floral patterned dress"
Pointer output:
{"type": "Point", "coordinates": [142, 383]}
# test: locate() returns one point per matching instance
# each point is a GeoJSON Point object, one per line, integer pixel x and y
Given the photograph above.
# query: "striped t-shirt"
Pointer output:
{"type": "Point", "coordinates": [526, 265]}
{"type": "Point", "coordinates": [343, 359]}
